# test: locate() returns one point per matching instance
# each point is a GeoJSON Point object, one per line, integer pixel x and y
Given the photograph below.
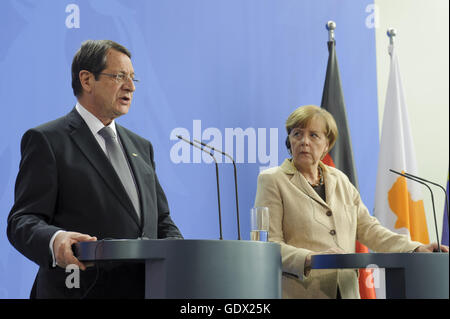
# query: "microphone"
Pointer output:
{"type": "Point", "coordinates": [217, 178]}
{"type": "Point", "coordinates": [435, 184]}
{"type": "Point", "coordinates": [235, 182]}
{"type": "Point", "coordinates": [432, 201]}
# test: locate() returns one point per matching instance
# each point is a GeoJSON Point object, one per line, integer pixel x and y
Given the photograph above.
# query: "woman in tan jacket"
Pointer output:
{"type": "Point", "coordinates": [315, 209]}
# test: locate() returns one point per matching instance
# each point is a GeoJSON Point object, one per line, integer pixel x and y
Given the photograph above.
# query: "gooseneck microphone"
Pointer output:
{"type": "Point", "coordinates": [435, 184]}
{"type": "Point", "coordinates": [235, 182]}
{"type": "Point", "coordinates": [432, 201]}
{"type": "Point", "coordinates": [217, 179]}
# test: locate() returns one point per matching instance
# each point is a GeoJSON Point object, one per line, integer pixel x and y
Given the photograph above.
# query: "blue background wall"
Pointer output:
{"type": "Point", "coordinates": [207, 68]}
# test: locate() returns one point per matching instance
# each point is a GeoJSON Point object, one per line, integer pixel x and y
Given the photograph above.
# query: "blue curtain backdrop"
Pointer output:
{"type": "Point", "coordinates": [226, 71]}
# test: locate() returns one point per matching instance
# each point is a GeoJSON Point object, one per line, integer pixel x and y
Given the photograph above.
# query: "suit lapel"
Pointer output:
{"type": "Point", "coordinates": [333, 201]}
{"type": "Point", "coordinates": [301, 183]}
{"type": "Point", "coordinates": [83, 138]}
{"type": "Point", "coordinates": [330, 185]}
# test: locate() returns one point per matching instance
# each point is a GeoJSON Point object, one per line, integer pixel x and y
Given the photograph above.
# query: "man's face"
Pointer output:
{"type": "Point", "coordinates": [112, 98]}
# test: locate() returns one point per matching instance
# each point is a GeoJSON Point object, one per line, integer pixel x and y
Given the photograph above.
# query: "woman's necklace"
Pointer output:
{"type": "Point", "coordinates": [320, 183]}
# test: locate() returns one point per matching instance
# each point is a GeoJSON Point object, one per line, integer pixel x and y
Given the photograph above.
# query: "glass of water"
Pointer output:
{"type": "Point", "coordinates": [259, 223]}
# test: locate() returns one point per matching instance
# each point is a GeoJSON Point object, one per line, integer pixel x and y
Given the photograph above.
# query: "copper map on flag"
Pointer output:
{"type": "Point", "coordinates": [410, 213]}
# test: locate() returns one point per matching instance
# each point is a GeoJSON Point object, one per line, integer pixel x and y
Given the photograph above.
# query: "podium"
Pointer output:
{"type": "Point", "coordinates": [206, 269]}
{"type": "Point", "coordinates": [408, 275]}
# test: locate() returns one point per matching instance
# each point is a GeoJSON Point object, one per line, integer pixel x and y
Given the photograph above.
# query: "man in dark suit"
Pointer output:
{"type": "Point", "coordinates": [83, 177]}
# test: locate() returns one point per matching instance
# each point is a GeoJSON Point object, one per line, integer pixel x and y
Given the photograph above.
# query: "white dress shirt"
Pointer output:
{"type": "Point", "coordinates": [95, 125]}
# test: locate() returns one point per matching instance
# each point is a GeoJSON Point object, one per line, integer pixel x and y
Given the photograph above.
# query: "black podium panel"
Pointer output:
{"type": "Point", "coordinates": [408, 275]}
{"type": "Point", "coordinates": [225, 269]}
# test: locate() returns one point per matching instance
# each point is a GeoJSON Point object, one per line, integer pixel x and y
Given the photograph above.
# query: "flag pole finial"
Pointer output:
{"type": "Point", "coordinates": [391, 33]}
{"type": "Point", "coordinates": [331, 26]}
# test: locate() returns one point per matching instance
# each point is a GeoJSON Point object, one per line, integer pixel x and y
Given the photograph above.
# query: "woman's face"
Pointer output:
{"type": "Point", "coordinates": [309, 145]}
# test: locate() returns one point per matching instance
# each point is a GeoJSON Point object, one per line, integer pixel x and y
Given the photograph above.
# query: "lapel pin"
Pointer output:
{"type": "Point", "coordinates": [134, 154]}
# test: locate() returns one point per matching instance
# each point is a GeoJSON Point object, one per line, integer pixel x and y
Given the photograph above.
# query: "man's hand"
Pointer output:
{"type": "Point", "coordinates": [431, 248]}
{"type": "Point", "coordinates": [62, 248]}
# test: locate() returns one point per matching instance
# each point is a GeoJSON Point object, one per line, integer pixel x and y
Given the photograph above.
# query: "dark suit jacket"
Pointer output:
{"type": "Point", "coordinates": [65, 182]}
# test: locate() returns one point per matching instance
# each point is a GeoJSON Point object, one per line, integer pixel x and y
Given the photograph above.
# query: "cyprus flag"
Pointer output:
{"type": "Point", "coordinates": [398, 201]}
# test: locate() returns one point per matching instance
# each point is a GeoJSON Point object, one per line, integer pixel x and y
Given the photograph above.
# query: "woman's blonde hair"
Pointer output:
{"type": "Point", "coordinates": [301, 117]}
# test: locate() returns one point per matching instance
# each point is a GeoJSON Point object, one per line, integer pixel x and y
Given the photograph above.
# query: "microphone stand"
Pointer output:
{"type": "Point", "coordinates": [435, 184]}
{"type": "Point", "coordinates": [217, 179]}
{"type": "Point", "coordinates": [235, 182]}
{"type": "Point", "coordinates": [432, 201]}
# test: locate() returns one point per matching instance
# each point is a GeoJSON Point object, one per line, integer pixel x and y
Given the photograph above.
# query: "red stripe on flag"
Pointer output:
{"type": "Point", "coordinates": [366, 284]}
{"type": "Point", "coordinates": [327, 160]}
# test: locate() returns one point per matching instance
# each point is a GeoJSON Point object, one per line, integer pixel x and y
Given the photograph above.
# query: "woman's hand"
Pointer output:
{"type": "Point", "coordinates": [431, 248]}
{"type": "Point", "coordinates": [330, 251]}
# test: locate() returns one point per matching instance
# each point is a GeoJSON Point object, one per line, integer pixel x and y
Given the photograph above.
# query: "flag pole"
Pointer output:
{"type": "Point", "coordinates": [331, 25]}
{"type": "Point", "coordinates": [341, 156]}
